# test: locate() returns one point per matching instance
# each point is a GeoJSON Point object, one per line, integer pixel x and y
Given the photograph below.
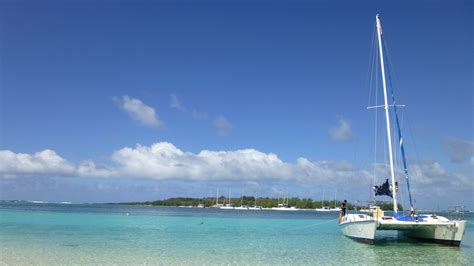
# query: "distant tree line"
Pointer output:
{"type": "Point", "coordinates": [305, 203]}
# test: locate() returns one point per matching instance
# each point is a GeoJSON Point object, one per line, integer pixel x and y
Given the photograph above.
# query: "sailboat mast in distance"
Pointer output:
{"type": "Point", "coordinates": [387, 115]}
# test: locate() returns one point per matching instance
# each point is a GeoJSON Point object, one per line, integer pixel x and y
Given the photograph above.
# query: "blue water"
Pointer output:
{"type": "Point", "coordinates": [105, 234]}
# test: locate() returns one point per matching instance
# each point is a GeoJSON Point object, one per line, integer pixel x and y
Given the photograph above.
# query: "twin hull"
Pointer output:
{"type": "Point", "coordinates": [449, 234]}
{"type": "Point", "coordinates": [363, 231]}
{"type": "Point", "coordinates": [363, 228]}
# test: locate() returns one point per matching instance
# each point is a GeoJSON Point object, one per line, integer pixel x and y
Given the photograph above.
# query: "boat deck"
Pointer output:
{"type": "Point", "coordinates": [392, 223]}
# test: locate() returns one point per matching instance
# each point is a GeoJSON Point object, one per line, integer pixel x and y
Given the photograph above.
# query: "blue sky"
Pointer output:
{"type": "Point", "coordinates": [86, 80]}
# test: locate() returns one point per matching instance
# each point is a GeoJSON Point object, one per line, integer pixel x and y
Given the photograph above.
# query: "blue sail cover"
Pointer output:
{"type": "Point", "coordinates": [409, 218]}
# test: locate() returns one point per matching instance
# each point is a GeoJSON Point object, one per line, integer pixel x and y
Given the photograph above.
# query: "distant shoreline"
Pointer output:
{"type": "Point", "coordinates": [264, 202]}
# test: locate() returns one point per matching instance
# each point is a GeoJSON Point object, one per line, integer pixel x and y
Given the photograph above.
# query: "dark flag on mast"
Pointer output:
{"type": "Point", "coordinates": [384, 189]}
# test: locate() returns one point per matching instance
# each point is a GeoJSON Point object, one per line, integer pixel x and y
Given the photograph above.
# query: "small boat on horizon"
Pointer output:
{"type": "Point", "coordinates": [327, 208]}
{"type": "Point", "coordinates": [229, 205]}
{"type": "Point", "coordinates": [284, 206]}
{"type": "Point", "coordinates": [255, 207]}
{"type": "Point", "coordinates": [323, 208]}
{"type": "Point", "coordinates": [217, 205]}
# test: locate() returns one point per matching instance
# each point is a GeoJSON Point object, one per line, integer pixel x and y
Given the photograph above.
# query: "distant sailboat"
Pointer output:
{"type": "Point", "coordinates": [217, 205]}
{"type": "Point", "coordinates": [229, 205]}
{"type": "Point", "coordinates": [284, 206]}
{"type": "Point", "coordinates": [336, 208]}
{"type": "Point", "coordinates": [242, 207]}
{"type": "Point", "coordinates": [255, 207]}
{"type": "Point", "coordinates": [323, 208]}
{"type": "Point", "coordinates": [430, 227]}
{"type": "Point", "coordinates": [200, 205]}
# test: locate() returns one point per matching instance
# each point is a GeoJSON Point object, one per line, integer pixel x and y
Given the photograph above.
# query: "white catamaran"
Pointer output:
{"type": "Point", "coordinates": [431, 227]}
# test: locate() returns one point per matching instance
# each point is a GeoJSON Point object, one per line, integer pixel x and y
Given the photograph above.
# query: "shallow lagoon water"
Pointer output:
{"type": "Point", "coordinates": [105, 234]}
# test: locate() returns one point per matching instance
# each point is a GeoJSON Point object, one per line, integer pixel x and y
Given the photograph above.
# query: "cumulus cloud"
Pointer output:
{"type": "Point", "coordinates": [459, 150]}
{"type": "Point", "coordinates": [176, 104]}
{"type": "Point", "coordinates": [139, 111]}
{"type": "Point", "coordinates": [342, 132]}
{"type": "Point", "coordinates": [44, 162]}
{"type": "Point", "coordinates": [164, 161]}
{"type": "Point", "coordinates": [47, 162]}
{"type": "Point", "coordinates": [224, 127]}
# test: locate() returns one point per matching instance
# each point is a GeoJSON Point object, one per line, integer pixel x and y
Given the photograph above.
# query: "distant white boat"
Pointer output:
{"type": "Point", "coordinates": [430, 227]}
{"type": "Point", "coordinates": [242, 208]}
{"type": "Point", "coordinates": [255, 207]}
{"type": "Point", "coordinates": [217, 205]}
{"type": "Point", "coordinates": [229, 205]}
{"type": "Point", "coordinates": [285, 206]}
{"type": "Point", "coordinates": [323, 208]}
{"type": "Point", "coordinates": [336, 208]}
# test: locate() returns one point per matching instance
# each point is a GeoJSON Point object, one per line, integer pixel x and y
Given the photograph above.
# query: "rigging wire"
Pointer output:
{"type": "Point", "coordinates": [401, 146]}
{"type": "Point", "coordinates": [372, 69]}
{"type": "Point", "coordinates": [410, 133]}
{"type": "Point", "coordinates": [370, 65]}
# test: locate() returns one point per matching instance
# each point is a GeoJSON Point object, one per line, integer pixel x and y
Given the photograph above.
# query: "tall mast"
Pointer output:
{"type": "Point", "coordinates": [387, 115]}
{"type": "Point", "coordinates": [217, 197]}
{"type": "Point", "coordinates": [322, 201]}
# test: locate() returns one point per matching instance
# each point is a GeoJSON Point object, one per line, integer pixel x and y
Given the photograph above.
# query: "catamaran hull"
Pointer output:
{"type": "Point", "coordinates": [362, 231]}
{"type": "Point", "coordinates": [442, 234]}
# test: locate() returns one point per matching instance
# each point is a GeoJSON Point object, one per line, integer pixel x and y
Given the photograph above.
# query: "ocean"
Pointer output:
{"type": "Point", "coordinates": [44, 233]}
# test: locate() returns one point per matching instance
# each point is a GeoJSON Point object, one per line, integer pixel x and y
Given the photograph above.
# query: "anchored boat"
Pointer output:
{"type": "Point", "coordinates": [430, 227]}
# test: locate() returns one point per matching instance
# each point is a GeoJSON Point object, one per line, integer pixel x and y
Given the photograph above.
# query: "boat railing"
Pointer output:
{"type": "Point", "coordinates": [456, 212]}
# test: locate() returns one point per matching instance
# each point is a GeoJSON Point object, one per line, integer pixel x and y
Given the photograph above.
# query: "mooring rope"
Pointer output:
{"type": "Point", "coordinates": [332, 220]}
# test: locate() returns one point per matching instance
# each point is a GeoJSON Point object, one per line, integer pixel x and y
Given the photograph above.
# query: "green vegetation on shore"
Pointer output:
{"type": "Point", "coordinates": [305, 203]}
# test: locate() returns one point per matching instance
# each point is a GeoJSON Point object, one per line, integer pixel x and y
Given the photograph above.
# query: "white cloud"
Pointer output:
{"type": "Point", "coordinates": [459, 150]}
{"type": "Point", "coordinates": [224, 127]}
{"type": "Point", "coordinates": [47, 162]}
{"type": "Point", "coordinates": [176, 104]}
{"type": "Point", "coordinates": [39, 163]}
{"type": "Point", "coordinates": [343, 132]}
{"type": "Point", "coordinates": [139, 111]}
{"type": "Point", "coordinates": [164, 161]}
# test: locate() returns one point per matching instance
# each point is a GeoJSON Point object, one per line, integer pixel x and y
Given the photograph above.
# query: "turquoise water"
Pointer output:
{"type": "Point", "coordinates": [105, 234]}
